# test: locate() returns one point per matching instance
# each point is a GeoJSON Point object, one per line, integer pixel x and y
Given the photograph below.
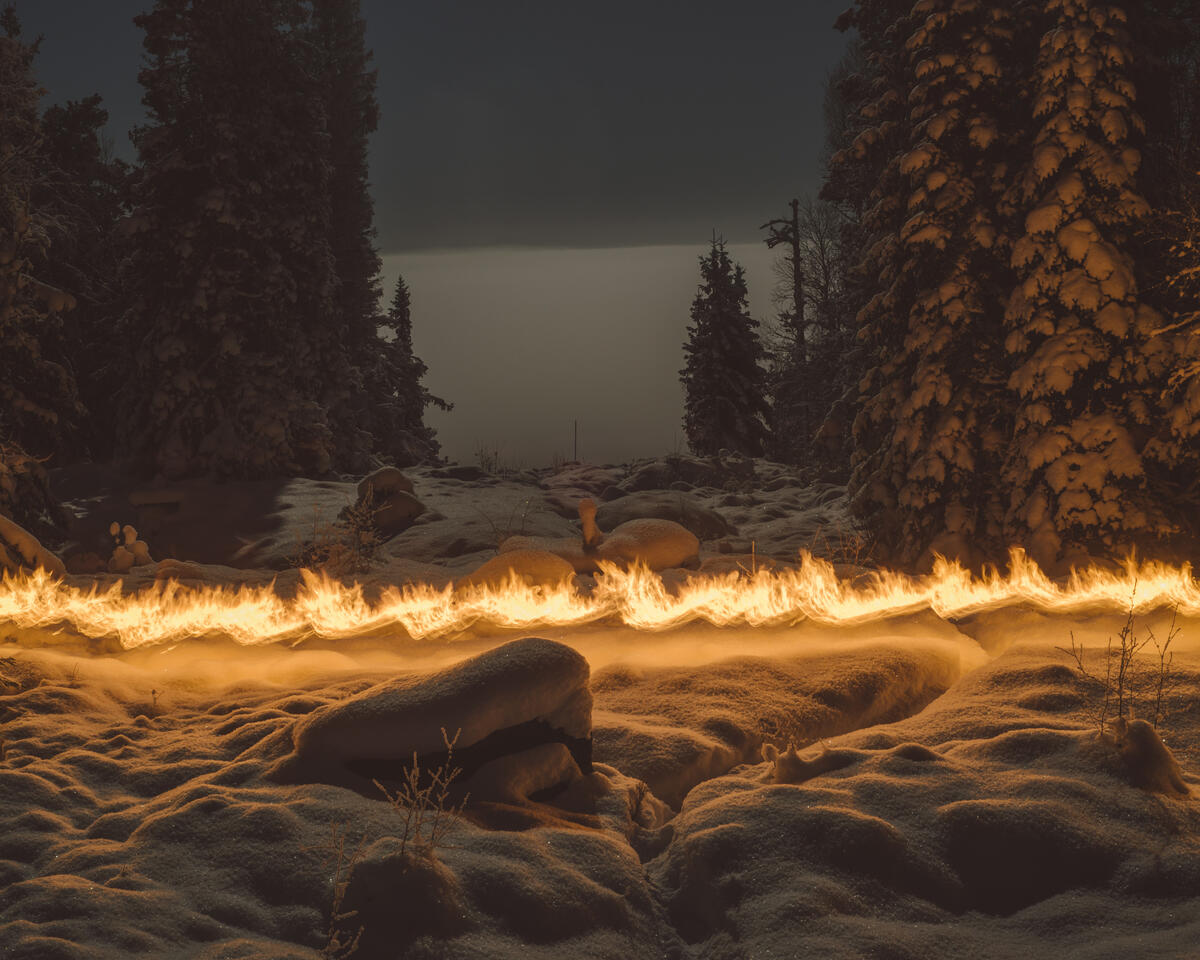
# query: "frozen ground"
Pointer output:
{"type": "Point", "coordinates": [950, 796]}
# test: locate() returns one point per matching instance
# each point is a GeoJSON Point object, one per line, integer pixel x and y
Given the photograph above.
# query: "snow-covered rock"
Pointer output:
{"type": "Point", "coordinates": [683, 508]}
{"type": "Point", "coordinates": [20, 549]}
{"type": "Point", "coordinates": [532, 567]}
{"type": "Point", "coordinates": [519, 716]}
{"type": "Point", "coordinates": [658, 544]}
{"type": "Point", "coordinates": [393, 505]}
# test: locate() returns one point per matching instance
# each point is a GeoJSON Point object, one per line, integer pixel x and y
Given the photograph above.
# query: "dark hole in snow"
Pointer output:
{"type": "Point", "coordinates": [523, 736]}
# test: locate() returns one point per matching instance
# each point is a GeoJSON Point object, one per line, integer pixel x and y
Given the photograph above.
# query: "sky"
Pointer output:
{"type": "Point", "coordinates": [546, 174]}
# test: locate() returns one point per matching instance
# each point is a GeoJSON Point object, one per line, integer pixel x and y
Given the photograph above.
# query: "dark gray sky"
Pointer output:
{"type": "Point", "coordinates": [546, 122]}
{"type": "Point", "coordinates": [546, 173]}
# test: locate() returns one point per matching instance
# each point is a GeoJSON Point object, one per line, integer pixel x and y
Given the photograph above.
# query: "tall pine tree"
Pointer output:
{"type": "Point", "coordinates": [83, 190]}
{"type": "Point", "coordinates": [232, 328]}
{"type": "Point", "coordinates": [723, 381]}
{"type": "Point", "coordinates": [1003, 165]}
{"type": "Point", "coordinates": [399, 413]}
{"type": "Point", "coordinates": [1086, 366]}
{"type": "Point", "coordinates": [942, 384]}
{"type": "Point", "coordinates": [38, 404]}
{"type": "Point", "coordinates": [342, 65]}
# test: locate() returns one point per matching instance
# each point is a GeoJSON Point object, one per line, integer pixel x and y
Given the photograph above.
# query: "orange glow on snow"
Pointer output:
{"type": "Point", "coordinates": [637, 598]}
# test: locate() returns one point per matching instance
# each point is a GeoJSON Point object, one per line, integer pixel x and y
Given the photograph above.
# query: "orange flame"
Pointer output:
{"type": "Point", "coordinates": [637, 598]}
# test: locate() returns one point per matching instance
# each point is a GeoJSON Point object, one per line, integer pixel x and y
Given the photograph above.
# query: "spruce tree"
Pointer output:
{"type": "Point", "coordinates": [1166, 66]}
{"type": "Point", "coordinates": [399, 398]}
{"type": "Point", "coordinates": [83, 189]}
{"type": "Point", "coordinates": [38, 404]}
{"type": "Point", "coordinates": [1084, 358]}
{"type": "Point", "coordinates": [723, 381]}
{"type": "Point", "coordinates": [232, 326]}
{"type": "Point", "coordinates": [866, 179]}
{"type": "Point", "coordinates": [347, 82]}
{"type": "Point", "coordinates": [940, 388]}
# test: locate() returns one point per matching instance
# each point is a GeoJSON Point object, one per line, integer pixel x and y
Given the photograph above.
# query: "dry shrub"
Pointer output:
{"type": "Point", "coordinates": [423, 800]}
{"type": "Point", "coordinates": [1126, 679]}
{"type": "Point", "coordinates": [839, 545]}
{"type": "Point", "coordinates": [345, 547]}
{"type": "Point", "coordinates": [339, 942]}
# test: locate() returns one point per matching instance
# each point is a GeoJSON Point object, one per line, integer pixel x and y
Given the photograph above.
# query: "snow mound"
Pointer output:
{"type": "Point", "coordinates": [533, 567]}
{"type": "Point", "coordinates": [21, 549]}
{"type": "Point", "coordinates": [683, 508]}
{"type": "Point", "coordinates": [522, 714]}
{"type": "Point", "coordinates": [675, 727]}
{"type": "Point", "coordinates": [996, 816]}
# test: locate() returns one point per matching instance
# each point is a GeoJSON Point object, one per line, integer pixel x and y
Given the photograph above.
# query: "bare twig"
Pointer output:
{"type": "Point", "coordinates": [340, 943]}
{"type": "Point", "coordinates": [426, 811]}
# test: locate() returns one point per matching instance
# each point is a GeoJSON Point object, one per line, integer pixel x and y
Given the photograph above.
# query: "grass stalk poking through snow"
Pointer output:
{"type": "Point", "coordinates": [1119, 686]}
{"type": "Point", "coordinates": [1162, 683]}
{"type": "Point", "coordinates": [343, 548]}
{"type": "Point", "coordinates": [427, 811]}
{"type": "Point", "coordinates": [340, 943]}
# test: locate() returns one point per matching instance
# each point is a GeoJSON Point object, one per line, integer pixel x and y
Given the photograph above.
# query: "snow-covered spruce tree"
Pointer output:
{"type": "Point", "coordinates": [941, 390]}
{"type": "Point", "coordinates": [1175, 449]}
{"type": "Point", "coordinates": [865, 179]}
{"type": "Point", "coordinates": [37, 394]}
{"type": "Point", "coordinates": [232, 325]}
{"type": "Point", "coordinates": [83, 190]}
{"type": "Point", "coordinates": [1167, 65]}
{"type": "Point", "coordinates": [723, 382]}
{"type": "Point", "coordinates": [1086, 366]}
{"type": "Point", "coordinates": [399, 416]}
{"type": "Point", "coordinates": [342, 65]}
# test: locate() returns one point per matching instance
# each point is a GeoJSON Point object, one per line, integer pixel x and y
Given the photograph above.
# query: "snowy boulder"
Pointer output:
{"type": "Point", "coordinates": [390, 496]}
{"type": "Point", "coordinates": [399, 894]}
{"type": "Point", "coordinates": [1148, 761]}
{"type": "Point", "coordinates": [20, 549]}
{"type": "Point", "coordinates": [658, 544]}
{"type": "Point", "coordinates": [522, 712]}
{"type": "Point", "coordinates": [397, 513]}
{"type": "Point", "coordinates": [683, 509]}
{"type": "Point", "coordinates": [129, 551]}
{"type": "Point", "coordinates": [661, 473]}
{"type": "Point", "coordinates": [582, 479]}
{"type": "Point", "coordinates": [383, 483]}
{"type": "Point", "coordinates": [570, 549]}
{"type": "Point", "coordinates": [532, 567]}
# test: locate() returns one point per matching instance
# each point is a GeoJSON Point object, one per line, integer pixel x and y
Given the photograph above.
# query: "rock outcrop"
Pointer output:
{"type": "Point", "coordinates": [20, 549]}
{"type": "Point", "coordinates": [521, 712]}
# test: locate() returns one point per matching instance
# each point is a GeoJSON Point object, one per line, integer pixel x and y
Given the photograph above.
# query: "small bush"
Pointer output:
{"type": "Point", "coordinates": [343, 548]}
{"type": "Point", "coordinates": [1125, 679]}
{"type": "Point", "coordinates": [423, 800]}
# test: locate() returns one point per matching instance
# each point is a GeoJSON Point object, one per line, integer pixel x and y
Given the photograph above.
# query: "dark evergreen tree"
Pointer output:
{"type": "Point", "coordinates": [866, 179]}
{"type": "Point", "coordinates": [399, 398]}
{"type": "Point", "coordinates": [347, 83]}
{"type": "Point", "coordinates": [83, 189]}
{"type": "Point", "coordinates": [232, 325]}
{"type": "Point", "coordinates": [723, 381]}
{"type": "Point", "coordinates": [995, 156]}
{"type": "Point", "coordinates": [38, 404]}
{"type": "Point", "coordinates": [1086, 364]}
{"type": "Point", "coordinates": [940, 388]}
{"type": "Point", "coordinates": [1166, 72]}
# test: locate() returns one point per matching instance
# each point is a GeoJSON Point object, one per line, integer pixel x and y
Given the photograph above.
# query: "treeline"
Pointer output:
{"type": "Point", "coordinates": [213, 308]}
{"type": "Point", "coordinates": [999, 334]}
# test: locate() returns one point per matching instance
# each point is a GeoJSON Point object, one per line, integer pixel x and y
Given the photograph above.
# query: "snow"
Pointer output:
{"type": "Point", "coordinates": [948, 794]}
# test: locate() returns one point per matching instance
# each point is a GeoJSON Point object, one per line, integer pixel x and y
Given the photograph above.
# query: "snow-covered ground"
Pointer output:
{"type": "Point", "coordinates": [950, 796]}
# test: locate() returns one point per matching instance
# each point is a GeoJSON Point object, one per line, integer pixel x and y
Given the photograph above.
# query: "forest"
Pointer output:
{"type": "Point", "coordinates": [899, 658]}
